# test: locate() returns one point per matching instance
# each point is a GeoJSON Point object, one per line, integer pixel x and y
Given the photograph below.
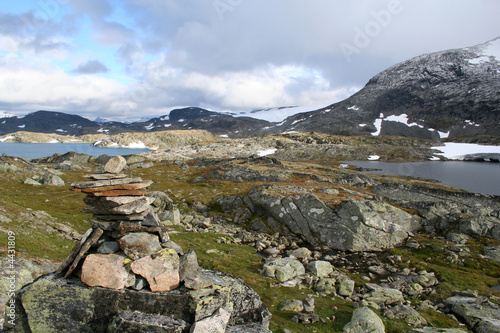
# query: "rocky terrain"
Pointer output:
{"type": "Point", "coordinates": [323, 248]}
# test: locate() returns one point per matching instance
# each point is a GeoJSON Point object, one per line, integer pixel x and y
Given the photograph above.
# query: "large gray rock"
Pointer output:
{"type": "Point", "coordinates": [364, 320]}
{"type": "Point", "coordinates": [53, 304]}
{"type": "Point", "coordinates": [353, 226]}
{"type": "Point", "coordinates": [283, 269]}
{"type": "Point", "coordinates": [480, 315]}
{"type": "Point", "coordinates": [384, 296]}
{"type": "Point", "coordinates": [407, 314]}
{"type": "Point", "coordinates": [320, 268]}
{"type": "Point", "coordinates": [115, 164]}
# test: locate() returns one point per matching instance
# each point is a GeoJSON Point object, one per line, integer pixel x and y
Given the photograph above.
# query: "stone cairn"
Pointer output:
{"type": "Point", "coordinates": [127, 246]}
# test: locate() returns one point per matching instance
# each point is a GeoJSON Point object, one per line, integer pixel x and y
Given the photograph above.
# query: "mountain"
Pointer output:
{"type": "Point", "coordinates": [450, 93]}
{"type": "Point", "coordinates": [455, 92]}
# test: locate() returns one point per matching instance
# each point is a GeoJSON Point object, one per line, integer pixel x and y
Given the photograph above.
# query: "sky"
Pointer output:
{"type": "Point", "coordinates": [131, 59]}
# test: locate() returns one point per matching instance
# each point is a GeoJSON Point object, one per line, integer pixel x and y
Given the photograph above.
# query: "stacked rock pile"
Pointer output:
{"type": "Point", "coordinates": [127, 246]}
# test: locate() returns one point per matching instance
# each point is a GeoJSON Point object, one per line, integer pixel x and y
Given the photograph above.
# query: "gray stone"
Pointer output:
{"type": "Point", "coordinates": [151, 220]}
{"type": "Point", "coordinates": [292, 305]}
{"type": "Point", "coordinates": [188, 265]}
{"type": "Point", "coordinates": [320, 268]}
{"type": "Point", "coordinates": [198, 281]}
{"type": "Point", "coordinates": [346, 286]}
{"type": "Point", "coordinates": [139, 244]}
{"type": "Point", "coordinates": [172, 245]}
{"type": "Point", "coordinates": [283, 269]}
{"type": "Point", "coordinates": [135, 321]}
{"type": "Point", "coordinates": [437, 330]}
{"type": "Point", "coordinates": [108, 247]}
{"type": "Point", "coordinates": [407, 314]}
{"type": "Point", "coordinates": [115, 164]}
{"type": "Point", "coordinates": [482, 316]}
{"type": "Point", "coordinates": [327, 287]}
{"type": "Point", "coordinates": [216, 323]}
{"type": "Point", "coordinates": [301, 253]}
{"type": "Point", "coordinates": [364, 320]}
{"type": "Point", "coordinates": [31, 181]}
{"type": "Point", "coordinates": [170, 217]}
{"type": "Point", "coordinates": [492, 252]}
{"type": "Point", "coordinates": [384, 296]}
{"type": "Point", "coordinates": [140, 283]}
{"type": "Point", "coordinates": [52, 180]}
{"type": "Point", "coordinates": [126, 205]}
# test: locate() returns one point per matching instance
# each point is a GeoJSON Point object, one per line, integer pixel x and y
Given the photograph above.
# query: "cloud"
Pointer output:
{"type": "Point", "coordinates": [91, 67]}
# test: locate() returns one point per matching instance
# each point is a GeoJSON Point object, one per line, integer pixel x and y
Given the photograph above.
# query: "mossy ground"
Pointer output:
{"type": "Point", "coordinates": [242, 261]}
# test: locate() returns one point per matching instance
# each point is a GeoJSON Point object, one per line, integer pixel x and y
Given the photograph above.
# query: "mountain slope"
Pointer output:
{"type": "Point", "coordinates": [455, 92]}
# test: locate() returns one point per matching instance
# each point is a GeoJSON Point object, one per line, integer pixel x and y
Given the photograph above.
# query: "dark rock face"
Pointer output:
{"type": "Point", "coordinates": [53, 304]}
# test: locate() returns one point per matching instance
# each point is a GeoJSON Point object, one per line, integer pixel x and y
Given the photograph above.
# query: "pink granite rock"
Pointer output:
{"type": "Point", "coordinates": [105, 270]}
{"type": "Point", "coordinates": [161, 270]}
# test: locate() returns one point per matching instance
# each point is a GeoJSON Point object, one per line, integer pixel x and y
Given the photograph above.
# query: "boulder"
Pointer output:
{"type": "Point", "coordinates": [481, 316]}
{"type": "Point", "coordinates": [327, 287]}
{"type": "Point", "coordinates": [283, 269]}
{"type": "Point", "coordinates": [407, 314]}
{"type": "Point", "coordinates": [364, 320]}
{"type": "Point", "coordinates": [105, 270]}
{"type": "Point", "coordinates": [161, 270]}
{"type": "Point", "coordinates": [384, 296]}
{"type": "Point", "coordinates": [301, 253]}
{"type": "Point", "coordinates": [188, 265]}
{"type": "Point", "coordinates": [52, 180]}
{"type": "Point", "coordinates": [292, 305]}
{"type": "Point", "coordinates": [54, 304]}
{"type": "Point", "coordinates": [139, 244]}
{"type": "Point", "coordinates": [320, 268]}
{"type": "Point", "coordinates": [115, 164]}
{"type": "Point", "coordinates": [346, 286]}
{"type": "Point", "coordinates": [352, 226]}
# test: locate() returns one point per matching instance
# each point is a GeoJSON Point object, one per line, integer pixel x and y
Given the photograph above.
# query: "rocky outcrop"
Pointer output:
{"type": "Point", "coordinates": [353, 225]}
{"type": "Point", "coordinates": [55, 304]}
{"type": "Point", "coordinates": [481, 315]}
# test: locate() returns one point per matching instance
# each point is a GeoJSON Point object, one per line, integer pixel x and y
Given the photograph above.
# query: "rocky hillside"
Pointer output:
{"type": "Point", "coordinates": [455, 92]}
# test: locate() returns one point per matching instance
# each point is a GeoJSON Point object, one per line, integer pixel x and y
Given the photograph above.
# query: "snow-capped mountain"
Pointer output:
{"type": "Point", "coordinates": [450, 93]}
{"type": "Point", "coordinates": [4, 114]}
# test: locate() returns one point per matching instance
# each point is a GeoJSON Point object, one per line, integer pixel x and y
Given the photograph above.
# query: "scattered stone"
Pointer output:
{"type": "Point", "coordinates": [139, 244]}
{"type": "Point", "coordinates": [283, 269]}
{"type": "Point", "coordinates": [364, 320]}
{"type": "Point", "coordinates": [346, 286]}
{"type": "Point", "coordinates": [198, 281]}
{"type": "Point", "coordinates": [437, 330]}
{"type": "Point", "coordinates": [52, 180]}
{"type": "Point", "coordinates": [301, 253]}
{"type": "Point", "coordinates": [385, 296]}
{"type": "Point", "coordinates": [31, 181]}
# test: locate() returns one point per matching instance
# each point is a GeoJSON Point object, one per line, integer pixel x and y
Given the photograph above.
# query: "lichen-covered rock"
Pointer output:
{"type": "Point", "coordinates": [407, 314]}
{"type": "Point", "coordinates": [283, 269]}
{"type": "Point", "coordinates": [481, 317]}
{"type": "Point", "coordinates": [320, 268]}
{"type": "Point", "coordinates": [352, 226]}
{"type": "Point", "coordinates": [346, 286]}
{"type": "Point", "coordinates": [216, 323]}
{"type": "Point", "coordinates": [53, 304]}
{"type": "Point", "coordinates": [115, 164]}
{"type": "Point", "coordinates": [135, 321]}
{"type": "Point", "coordinates": [364, 320]}
{"type": "Point", "coordinates": [384, 296]}
{"type": "Point", "coordinates": [292, 305]}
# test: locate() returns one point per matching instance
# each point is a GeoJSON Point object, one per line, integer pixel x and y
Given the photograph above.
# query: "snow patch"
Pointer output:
{"type": "Point", "coordinates": [21, 126]}
{"type": "Point", "coordinates": [60, 130]}
{"type": "Point", "coordinates": [150, 127]}
{"type": "Point", "coordinates": [457, 151]}
{"type": "Point", "coordinates": [224, 136]}
{"type": "Point", "coordinates": [6, 138]}
{"type": "Point", "coordinates": [402, 118]}
{"type": "Point", "coordinates": [354, 107]}
{"type": "Point", "coordinates": [297, 121]}
{"type": "Point", "coordinates": [275, 115]}
{"type": "Point", "coordinates": [491, 50]}
{"type": "Point", "coordinates": [373, 158]}
{"type": "Point", "coordinates": [53, 141]}
{"type": "Point", "coordinates": [469, 122]}
{"type": "Point", "coordinates": [102, 130]}
{"type": "Point", "coordinates": [444, 135]}
{"type": "Point", "coordinates": [139, 144]}
{"type": "Point", "coordinates": [363, 125]}
{"type": "Point", "coordinates": [266, 152]}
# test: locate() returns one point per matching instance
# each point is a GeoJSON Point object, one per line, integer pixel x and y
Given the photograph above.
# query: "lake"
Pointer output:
{"type": "Point", "coordinates": [478, 177]}
{"type": "Point", "coordinates": [37, 150]}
